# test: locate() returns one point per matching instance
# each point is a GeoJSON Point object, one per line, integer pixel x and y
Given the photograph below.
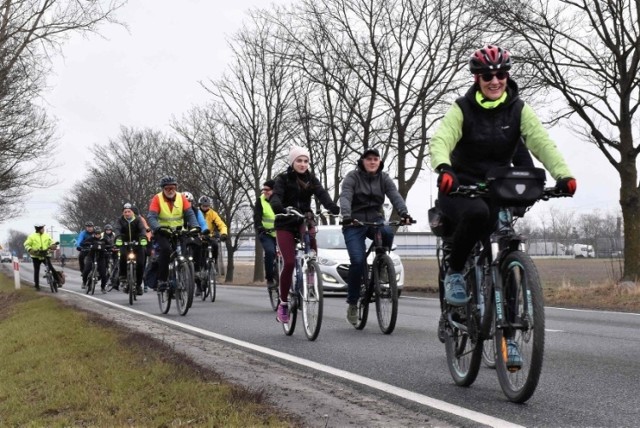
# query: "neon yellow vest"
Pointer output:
{"type": "Point", "coordinates": [168, 217]}
{"type": "Point", "coordinates": [268, 216]}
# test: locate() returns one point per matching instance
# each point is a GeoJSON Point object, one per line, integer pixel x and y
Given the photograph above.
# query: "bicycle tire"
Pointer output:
{"type": "Point", "coordinates": [91, 287]}
{"type": "Point", "coordinates": [289, 327]}
{"type": "Point", "coordinates": [201, 280]}
{"type": "Point", "coordinates": [274, 294]}
{"type": "Point", "coordinates": [523, 308]}
{"type": "Point", "coordinates": [363, 302]}
{"type": "Point", "coordinates": [312, 300]}
{"type": "Point", "coordinates": [464, 348]}
{"type": "Point", "coordinates": [52, 284]}
{"type": "Point", "coordinates": [386, 293]}
{"type": "Point", "coordinates": [131, 280]}
{"type": "Point", "coordinates": [489, 348]}
{"type": "Point", "coordinates": [184, 287]}
{"type": "Point", "coordinates": [164, 301]}
{"type": "Point", "coordinates": [212, 280]}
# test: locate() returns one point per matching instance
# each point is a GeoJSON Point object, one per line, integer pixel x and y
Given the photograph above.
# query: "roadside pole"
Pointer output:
{"type": "Point", "coordinates": [16, 272]}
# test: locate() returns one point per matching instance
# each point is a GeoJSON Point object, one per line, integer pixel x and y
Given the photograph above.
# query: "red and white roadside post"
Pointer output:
{"type": "Point", "coordinates": [16, 272]}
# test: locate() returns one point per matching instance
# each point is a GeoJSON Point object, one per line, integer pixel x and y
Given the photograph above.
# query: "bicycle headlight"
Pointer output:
{"type": "Point", "coordinates": [131, 256]}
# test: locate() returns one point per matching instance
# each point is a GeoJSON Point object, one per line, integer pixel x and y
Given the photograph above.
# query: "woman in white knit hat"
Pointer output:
{"type": "Point", "coordinates": [294, 188]}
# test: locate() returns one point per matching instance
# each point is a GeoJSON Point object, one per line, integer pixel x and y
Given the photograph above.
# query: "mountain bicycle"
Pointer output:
{"type": "Point", "coordinates": [131, 278]}
{"type": "Point", "coordinates": [505, 295]}
{"type": "Point", "coordinates": [379, 282]}
{"type": "Point", "coordinates": [306, 288]}
{"type": "Point", "coordinates": [181, 274]}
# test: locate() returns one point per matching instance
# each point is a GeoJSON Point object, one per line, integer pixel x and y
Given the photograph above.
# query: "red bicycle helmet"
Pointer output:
{"type": "Point", "coordinates": [489, 58]}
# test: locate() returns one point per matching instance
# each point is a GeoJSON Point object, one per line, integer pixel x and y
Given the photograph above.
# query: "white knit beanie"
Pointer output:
{"type": "Point", "coordinates": [295, 152]}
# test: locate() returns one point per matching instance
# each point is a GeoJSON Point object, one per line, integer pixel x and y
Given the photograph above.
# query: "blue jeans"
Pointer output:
{"type": "Point", "coordinates": [269, 246]}
{"type": "Point", "coordinates": [354, 237]}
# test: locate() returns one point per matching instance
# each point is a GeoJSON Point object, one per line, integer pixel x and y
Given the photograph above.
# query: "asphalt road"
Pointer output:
{"type": "Point", "coordinates": [590, 376]}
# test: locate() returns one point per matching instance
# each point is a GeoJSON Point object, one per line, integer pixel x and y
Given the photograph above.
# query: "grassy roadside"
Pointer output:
{"type": "Point", "coordinates": [64, 367]}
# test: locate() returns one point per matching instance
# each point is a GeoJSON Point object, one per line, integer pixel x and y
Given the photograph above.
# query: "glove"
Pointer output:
{"type": "Point", "coordinates": [223, 238]}
{"type": "Point", "coordinates": [206, 232]}
{"type": "Point", "coordinates": [118, 242]}
{"type": "Point", "coordinates": [143, 242]}
{"type": "Point", "coordinates": [567, 185]}
{"type": "Point", "coordinates": [194, 230]}
{"type": "Point", "coordinates": [346, 221]}
{"type": "Point", "coordinates": [261, 230]}
{"type": "Point", "coordinates": [447, 180]}
{"type": "Point", "coordinates": [406, 218]}
{"type": "Point", "coordinates": [335, 210]}
{"type": "Point", "coordinates": [78, 248]}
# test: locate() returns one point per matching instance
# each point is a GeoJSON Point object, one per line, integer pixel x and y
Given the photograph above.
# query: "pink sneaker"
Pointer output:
{"type": "Point", "coordinates": [283, 313]}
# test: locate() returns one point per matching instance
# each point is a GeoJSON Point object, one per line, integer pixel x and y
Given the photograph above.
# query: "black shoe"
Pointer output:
{"type": "Point", "coordinates": [104, 290]}
{"type": "Point", "coordinates": [271, 285]}
{"type": "Point", "coordinates": [198, 292]}
{"type": "Point", "coordinates": [139, 291]}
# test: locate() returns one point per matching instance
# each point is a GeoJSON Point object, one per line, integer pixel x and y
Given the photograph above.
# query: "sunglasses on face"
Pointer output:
{"type": "Point", "coordinates": [488, 77]}
{"type": "Point", "coordinates": [266, 190]}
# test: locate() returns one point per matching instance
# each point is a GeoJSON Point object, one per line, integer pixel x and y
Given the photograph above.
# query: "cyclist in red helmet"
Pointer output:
{"type": "Point", "coordinates": [482, 130]}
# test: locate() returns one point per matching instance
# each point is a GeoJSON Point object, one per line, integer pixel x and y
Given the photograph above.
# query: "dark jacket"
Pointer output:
{"type": "Point", "coordinates": [362, 195]}
{"type": "Point", "coordinates": [130, 231]}
{"type": "Point", "coordinates": [295, 190]}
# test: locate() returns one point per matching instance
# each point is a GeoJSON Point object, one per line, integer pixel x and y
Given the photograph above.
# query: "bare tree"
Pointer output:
{"type": "Point", "coordinates": [31, 31]}
{"type": "Point", "coordinates": [127, 169]}
{"type": "Point", "coordinates": [588, 52]}
{"type": "Point", "coordinates": [15, 243]}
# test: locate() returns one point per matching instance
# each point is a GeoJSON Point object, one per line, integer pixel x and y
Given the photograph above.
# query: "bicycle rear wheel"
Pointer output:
{"type": "Point", "coordinates": [91, 287]}
{"type": "Point", "coordinates": [523, 323]}
{"type": "Point", "coordinates": [463, 344]}
{"type": "Point", "coordinates": [363, 303]}
{"type": "Point", "coordinates": [274, 293]}
{"type": "Point", "coordinates": [131, 280]}
{"type": "Point", "coordinates": [386, 289]}
{"type": "Point", "coordinates": [184, 287]}
{"type": "Point", "coordinates": [312, 300]}
{"type": "Point", "coordinates": [53, 285]}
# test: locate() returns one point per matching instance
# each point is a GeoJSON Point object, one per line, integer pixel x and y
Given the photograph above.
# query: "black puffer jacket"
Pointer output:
{"type": "Point", "coordinates": [296, 190]}
{"type": "Point", "coordinates": [128, 232]}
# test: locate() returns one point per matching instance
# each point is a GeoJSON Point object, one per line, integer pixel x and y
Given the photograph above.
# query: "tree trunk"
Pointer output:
{"type": "Point", "coordinates": [630, 202]}
{"type": "Point", "coordinates": [258, 262]}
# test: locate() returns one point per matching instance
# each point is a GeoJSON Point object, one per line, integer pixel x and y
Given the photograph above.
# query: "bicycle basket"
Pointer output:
{"type": "Point", "coordinates": [516, 186]}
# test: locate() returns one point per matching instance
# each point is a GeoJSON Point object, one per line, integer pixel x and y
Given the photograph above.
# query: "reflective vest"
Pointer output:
{"type": "Point", "coordinates": [168, 217]}
{"type": "Point", "coordinates": [268, 216]}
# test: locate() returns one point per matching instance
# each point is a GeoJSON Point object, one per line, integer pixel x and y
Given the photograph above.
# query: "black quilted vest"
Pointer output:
{"type": "Point", "coordinates": [489, 136]}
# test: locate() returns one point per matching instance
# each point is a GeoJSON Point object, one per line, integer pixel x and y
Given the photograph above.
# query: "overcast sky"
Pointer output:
{"type": "Point", "coordinates": [146, 76]}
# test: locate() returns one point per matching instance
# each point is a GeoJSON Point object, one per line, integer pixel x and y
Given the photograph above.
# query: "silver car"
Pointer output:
{"type": "Point", "coordinates": [334, 259]}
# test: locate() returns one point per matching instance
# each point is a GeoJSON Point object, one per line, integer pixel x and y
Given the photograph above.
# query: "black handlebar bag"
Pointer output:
{"type": "Point", "coordinates": [516, 186]}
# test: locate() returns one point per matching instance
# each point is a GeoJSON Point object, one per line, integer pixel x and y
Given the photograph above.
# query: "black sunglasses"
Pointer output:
{"type": "Point", "coordinates": [488, 77]}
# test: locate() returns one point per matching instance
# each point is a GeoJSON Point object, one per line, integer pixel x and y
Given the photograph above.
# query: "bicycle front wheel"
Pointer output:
{"type": "Point", "coordinates": [386, 289]}
{"type": "Point", "coordinates": [131, 280]}
{"type": "Point", "coordinates": [363, 303]}
{"type": "Point", "coordinates": [522, 325]}
{"type": "Point", "coordinates": [211, 280]}
{"type": "Point", "coordinates": [312, 300]}
{"type": "Point", "coordinates": [91, 287]}
{"type": "Point", "coordinates": [184, 287]}
{"type": "Point", "coordinates": [274, 293]}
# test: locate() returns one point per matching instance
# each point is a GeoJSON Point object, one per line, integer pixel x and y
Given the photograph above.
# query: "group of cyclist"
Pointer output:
{"type": "Point", "coordinates": [488, 127]}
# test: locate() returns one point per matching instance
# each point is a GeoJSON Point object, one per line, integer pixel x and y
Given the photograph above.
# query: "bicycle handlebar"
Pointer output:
{"type": "Point", "coordinates": [357, 222]}
{"type": "Point", "coordinates": [481, 189]}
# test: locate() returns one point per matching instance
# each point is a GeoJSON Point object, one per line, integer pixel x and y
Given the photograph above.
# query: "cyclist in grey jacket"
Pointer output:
{"type": "Point", "coordinates": [361, 198]}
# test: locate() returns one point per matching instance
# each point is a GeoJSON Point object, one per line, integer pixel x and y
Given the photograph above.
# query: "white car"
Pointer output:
{"type": "Point", "coordinates": [334, 259]}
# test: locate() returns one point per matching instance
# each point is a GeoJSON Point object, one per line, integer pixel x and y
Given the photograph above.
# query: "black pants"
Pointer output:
{"type": "Point", "coordinates": [471, 220]}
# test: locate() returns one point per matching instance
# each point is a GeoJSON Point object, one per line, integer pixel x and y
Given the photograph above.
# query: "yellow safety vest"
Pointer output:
{"type": "Point", "coordinates": [168, 217]}
{"type": "Point", "coordinates": [268, 216]}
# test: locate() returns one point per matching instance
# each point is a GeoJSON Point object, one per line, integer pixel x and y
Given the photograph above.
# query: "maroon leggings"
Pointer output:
{"type": "Point", "coordinates": [287, 245]}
